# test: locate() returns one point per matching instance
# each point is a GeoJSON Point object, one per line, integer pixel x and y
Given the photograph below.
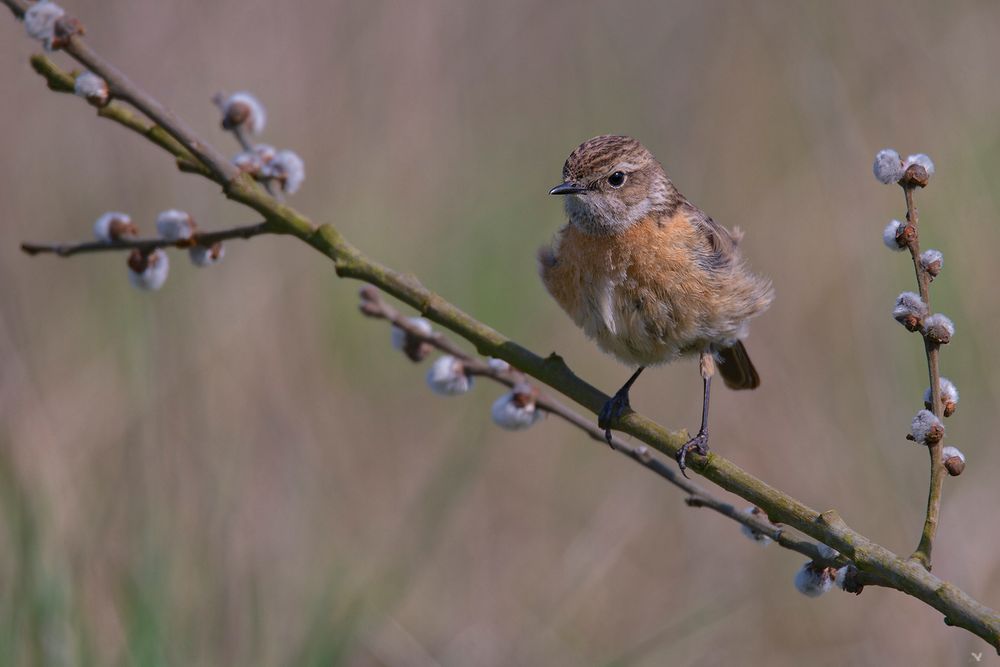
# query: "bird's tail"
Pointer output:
{"type": "Point", "coordinates": [736, 368]}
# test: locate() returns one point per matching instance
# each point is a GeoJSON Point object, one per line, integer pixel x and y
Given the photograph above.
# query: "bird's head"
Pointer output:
{"type": "Point", "coordinates": [612, 182]}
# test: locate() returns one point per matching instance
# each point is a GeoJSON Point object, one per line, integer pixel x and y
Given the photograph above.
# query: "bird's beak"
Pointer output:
{"type": "Point", "coordinates": [567, 189]}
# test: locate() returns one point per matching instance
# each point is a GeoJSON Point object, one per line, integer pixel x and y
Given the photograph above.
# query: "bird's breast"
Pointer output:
{"type": "Point", "coordinates": [623, 290]}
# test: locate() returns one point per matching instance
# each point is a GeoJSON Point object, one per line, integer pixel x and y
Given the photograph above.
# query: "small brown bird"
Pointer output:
{"type": "Point", "coordinates": [648, 275]}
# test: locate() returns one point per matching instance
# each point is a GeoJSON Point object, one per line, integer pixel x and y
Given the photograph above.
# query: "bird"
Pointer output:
{"type": "Point", "coordinates": [649, 276]}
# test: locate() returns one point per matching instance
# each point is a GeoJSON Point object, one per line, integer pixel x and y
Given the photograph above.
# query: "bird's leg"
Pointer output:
{"type": "Point", "coordinates": [699, 443]}
{"type": "Point", "coordinates": [616, 407]}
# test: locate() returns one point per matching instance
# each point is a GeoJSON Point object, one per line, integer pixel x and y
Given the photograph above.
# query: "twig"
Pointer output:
{"type": "Point", "coordinates": [240, 133]}
{"type": "Point", "coordinates": [62, 82]}
{"type": "Point", "coordinates": [205, 239]}
{"type": "Point", "coordinates": [872, 559]}
{"type": "Point", "coordinates": [122, 88]}
{"type": "Point", "coordinates": [932, 349]}
{"type": "Point", "coordinates": [373, 305]}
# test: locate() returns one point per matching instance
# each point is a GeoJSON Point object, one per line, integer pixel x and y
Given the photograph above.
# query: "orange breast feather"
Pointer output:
{"type": "Point", "coordinates": [639, 294]}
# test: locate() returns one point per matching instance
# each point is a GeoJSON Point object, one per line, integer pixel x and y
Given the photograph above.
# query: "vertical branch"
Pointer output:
{"type": "Point", "coordinates": [910, 182]}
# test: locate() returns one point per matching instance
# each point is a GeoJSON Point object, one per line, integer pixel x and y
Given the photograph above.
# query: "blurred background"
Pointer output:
{"type": "Point", "coordinates": [239, 470]}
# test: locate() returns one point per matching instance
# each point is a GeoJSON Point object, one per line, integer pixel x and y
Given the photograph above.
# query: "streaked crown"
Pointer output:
{"type": "Point", "coordinates": [604, 154]}
{"type": "Point", "coordinates": [612, 182]}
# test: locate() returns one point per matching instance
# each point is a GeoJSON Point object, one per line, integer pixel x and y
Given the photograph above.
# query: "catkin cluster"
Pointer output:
{"type": "Point", "coordinates": [912, 309]}
{"type": "Point", "coordinates": [242, 114]}
{"type": "Point", "coordinates": [453, 374]}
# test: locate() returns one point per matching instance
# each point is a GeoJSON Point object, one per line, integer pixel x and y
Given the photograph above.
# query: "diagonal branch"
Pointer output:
{"type": "Point", "coordinates": [873, 560]}
{"type": "Point", "coordinates": [63, 82]}
{"type": "Point", "coordinates": [122, 88]}
{"type": "Point", "coordinates": [373, 305]}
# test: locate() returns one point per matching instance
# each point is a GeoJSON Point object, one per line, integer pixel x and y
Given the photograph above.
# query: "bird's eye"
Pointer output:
{"type": "Point", "coordinates": [617, 179]}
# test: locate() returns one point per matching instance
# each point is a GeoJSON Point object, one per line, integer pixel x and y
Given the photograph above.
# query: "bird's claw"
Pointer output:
{"type": "Point", "coordinates": [611, 412]}
{"type": "Point", "coordinates": [698, 443]}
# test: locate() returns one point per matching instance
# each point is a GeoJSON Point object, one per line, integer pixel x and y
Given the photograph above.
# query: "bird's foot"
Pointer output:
{"type": "Point", "coordinates": [698, 443]}
{"type": "Point", "coordinates": [612, 411]}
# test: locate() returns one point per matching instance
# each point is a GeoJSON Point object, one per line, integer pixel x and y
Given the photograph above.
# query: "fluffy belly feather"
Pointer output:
{"type": "Point", "coordinates": [635, 336]}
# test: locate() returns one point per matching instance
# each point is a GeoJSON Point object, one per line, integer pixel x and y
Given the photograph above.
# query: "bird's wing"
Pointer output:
{"type": "Point", "coordinates": [719, 247]}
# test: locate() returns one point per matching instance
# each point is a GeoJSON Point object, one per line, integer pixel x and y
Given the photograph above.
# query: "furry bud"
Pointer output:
{"type": "Point", "coordinates": [949, 397]}
{"type": "Point", "coordinates": [954, 460]}
{"type": "Point", "coordinates": [755, 535]}
{"type": "Point", "coordinates": [926, 429]}
{"type": "Point", "coordinates": [516, 410]}
{"type": "Point", "coordinates": [148, 272]}
{"type": "Point", "coordinates": [812, 579]}
{"type": "Point", "coordinates": [447, 376]}
{"type": "Point", "coordinates": [248, 162]}
{"type": "Point", "coordinates": [846, 578]}
{"type": "Point", "coordinates": [92, 88]}
{"type": "Point", "coordinates": [924, 161]}
{"type": "Point", "coordinates": [254, 161]}
{"type": "Point", "coordinates": [888, 167]}
{"type": "Point", "coordinates": [896, 235]}
{"type": "Point", "coordinates": [40, 22]}
{"type": "Point", "coordinates": [931, 261]}
{"type": "Point", "coordinates": [910, 310]}
{"type": "Point", "coordinates": [266, 152]}
{"type": "Point", "coordinates": [202, 256]}
{"type": "Point", "coordinates": [65, 29]}
{"type": "Point", "coordinates": [114, 226]}
{"type": "Point", "coordinates": [288, 169]}
{"type": "Point", "coordinates": [917, 171]}
{"type": "Point", "coordinates": [497, 365]}
{"type": "Point", "coordinates": [414, 347]}
{"type": "Point", "coordinates": [245, 111]}
{"type": "Point", "coordinates": [938, 329]}
{"type": "Point", "coordinates": [174, 225]}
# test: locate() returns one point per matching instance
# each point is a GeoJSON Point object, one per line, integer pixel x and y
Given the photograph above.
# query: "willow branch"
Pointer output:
{"type": "Point", "coordinates": [119, 112]}
{"type": "Point", "coordinates": [373, 305]}
{"type": "Point", "coordinates": [916, 177]}
{"type": "Point", "coordinates": [872, 559]}
{"type": "Point", "coordinates": [204, 239]}
{"type": "Point", "coordinates": [122, 88]}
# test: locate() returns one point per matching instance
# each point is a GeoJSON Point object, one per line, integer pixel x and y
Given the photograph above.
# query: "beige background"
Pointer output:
{"type": "Point", "coordinates": [238, 470]}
